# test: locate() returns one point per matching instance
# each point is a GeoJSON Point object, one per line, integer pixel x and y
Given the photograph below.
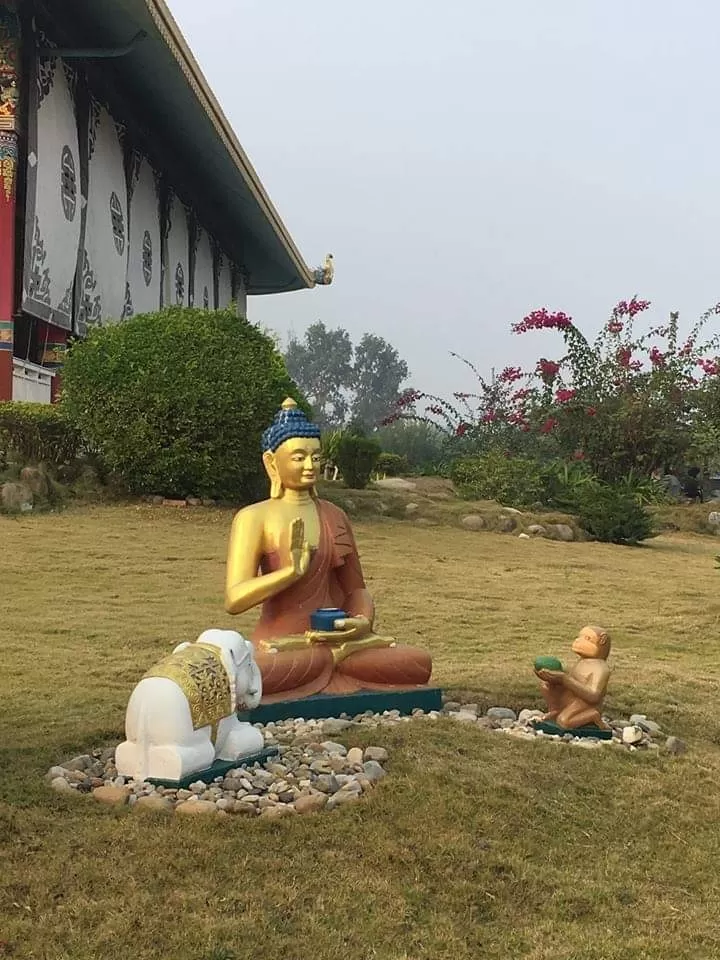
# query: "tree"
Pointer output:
{"type": "Point", "coordinates": [343, 383]}
{"type": "Point", "coordinates": [321, 366]}
{"type": "Point", "coordinates": [377, 377]}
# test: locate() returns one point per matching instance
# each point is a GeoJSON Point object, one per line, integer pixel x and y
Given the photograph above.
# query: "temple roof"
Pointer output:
{"type": "Point", "coordinates": [160, 85]}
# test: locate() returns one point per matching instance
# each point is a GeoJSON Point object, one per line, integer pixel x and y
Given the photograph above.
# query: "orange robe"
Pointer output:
{"type": "Point", "coordinates": [334, 579]}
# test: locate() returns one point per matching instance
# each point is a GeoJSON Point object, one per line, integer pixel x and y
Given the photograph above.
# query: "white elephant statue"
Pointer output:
{"type": "Point", "coordinates": [181, 716]}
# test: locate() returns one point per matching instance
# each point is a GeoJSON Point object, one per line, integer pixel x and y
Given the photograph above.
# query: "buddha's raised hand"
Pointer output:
{"type": "Point", "coordinates": [299, 548]}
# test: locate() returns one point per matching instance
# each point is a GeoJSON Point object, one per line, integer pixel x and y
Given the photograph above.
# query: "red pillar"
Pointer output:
{"type": "Point", "coordinates": [9, 57]}
{"type": "Point", "coordinates": [8, 172]}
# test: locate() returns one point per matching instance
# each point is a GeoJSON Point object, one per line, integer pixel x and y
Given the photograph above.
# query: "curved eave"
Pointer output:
{"type": "Point", "coordinates": [162, 86]}
{"type": "Point", "coordinates": [177, 44]}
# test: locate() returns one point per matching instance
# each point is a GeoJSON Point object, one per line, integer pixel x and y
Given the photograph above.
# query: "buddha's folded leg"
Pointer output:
{"type": "Point", "coordinates": [377, 669]}
{"type": "Point", "coordinates": [292, 674]}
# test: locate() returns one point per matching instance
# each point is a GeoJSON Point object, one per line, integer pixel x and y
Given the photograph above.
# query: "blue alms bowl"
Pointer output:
{"type": "Point", "coordinates": [325, 619]}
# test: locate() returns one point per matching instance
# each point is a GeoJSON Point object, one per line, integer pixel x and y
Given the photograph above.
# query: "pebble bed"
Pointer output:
{"type": "Point", "coordinates": [314, 772]}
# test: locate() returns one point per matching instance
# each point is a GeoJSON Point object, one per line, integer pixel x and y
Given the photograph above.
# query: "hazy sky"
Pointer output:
{"type": "Point", "coordinates": [468, 161]}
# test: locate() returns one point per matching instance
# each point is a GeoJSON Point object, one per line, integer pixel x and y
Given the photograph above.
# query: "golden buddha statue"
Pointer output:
{"type": "Point", "coordinates": [296, 555]}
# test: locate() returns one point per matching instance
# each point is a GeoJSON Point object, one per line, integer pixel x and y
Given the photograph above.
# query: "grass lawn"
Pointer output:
{"type": "Point", "coordinates": [476, 846]}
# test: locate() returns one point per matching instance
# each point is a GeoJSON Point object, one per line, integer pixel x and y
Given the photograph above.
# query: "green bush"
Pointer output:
{"type": "Point", "coordinates": [392, 464]}
{"type": "Point", "coordinates": [421, 443]}
{"type": "Point", "coordinates": [36, 433]}
{"type": "Point", "coordinates": [514, 481]}
{"type": "Point", "coordinates": [356, 457]}
{"type": "Point", "coordinates": [175, 402]}
{"type": "Point", "coordinates": [330, 441]}
{"type": "Point", "coordinates": [611, 514]}
{"type": "Point", "coordinates": [564, 482]}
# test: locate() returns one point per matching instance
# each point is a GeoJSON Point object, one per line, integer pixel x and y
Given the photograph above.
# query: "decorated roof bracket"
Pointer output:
{"type": "Point", "coordinates": [93, 53]}
{"type": "Point", "coordinates": [323, 275]}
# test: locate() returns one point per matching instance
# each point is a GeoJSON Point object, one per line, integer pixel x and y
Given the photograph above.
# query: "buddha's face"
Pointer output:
{"type": "Point", "coordinates": [297, 463]}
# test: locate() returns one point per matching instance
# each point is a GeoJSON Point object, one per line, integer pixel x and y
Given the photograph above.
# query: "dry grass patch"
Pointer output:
{"type": "Point", "coordinates": [475, 846]}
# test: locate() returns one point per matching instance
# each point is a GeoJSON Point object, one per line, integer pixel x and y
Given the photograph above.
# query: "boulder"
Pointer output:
{"type": "Point", "coordinates": [16, 497]}
{"type": "Point", "coordinates": [395, 483]}
{"type": "Point", "coordinates": [373, 770]}
{"type": "Point", "coordinates": [632, 735]}
{"type": "Point", "coordinates": [561, 531]}
{"type": "Point", "coordinates": [36, 481]}
{"type": "Point", "coordinates": [675, 746]}
{"type": "Point", "coordinates": [311, 803]}
{"type": "Point", "coordinates": [473, 521]}
{"type": "Point", "coordinates": [501, 713]}
{"type": "Point", "coordinates": [536, 530]}
{"type": "Point", "coordinates": [154, 804]}
{"type": "Point", "coordinates": [111, 796]}
{"type": "Point", "coordinates": [60, 785]}
{"type": "Point", "coordinates": [714, 520]}
{"type": "Point", "coordinates": [507, 524]}
{"type": "Point", "coordinates": [196, 807]}
{"type": "Point", "coordinates": [356, 756]}
{"type": "Point", "coordinates": [412, 509]}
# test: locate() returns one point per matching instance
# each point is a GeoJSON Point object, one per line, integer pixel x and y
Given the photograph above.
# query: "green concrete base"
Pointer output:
{"type": "Point", "coordinates": [547, 726]}
{"type": "Point", "coordinates": [218, 769]}
{"type": "Point", "coordinates": [323, 706]}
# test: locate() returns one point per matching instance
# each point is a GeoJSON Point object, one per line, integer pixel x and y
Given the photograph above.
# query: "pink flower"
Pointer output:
{"type": "Point", "coordinates": [615, 326]}
{"type": "Point", "coordinates": [409, 397]}
{"type": "Point", "coordinates": [548, 369]}
{"type": "Point", "coordinates": [518, 418]}
{"type": "Point", "coordinates": [637, 306]}
{"type": "Point", "coordinates": [490, 416]}
{"type": "Point", "coordinates": [543, 320]}
{"type": "Point", "coordinates": [510, 375]}
{"type": "Point", "coordinates": [462, 429]}
{"type": "Point", "coordinates": [564, 396]}
{"type": "Point", "coordinates": [521, 394]}
{"type": "Point", "coordinates": [686, 348]}
{"type": "Point", "coordinates": [657, 359]}
{"type": "Point", "coordinates": [623, 356]}
{"type": "Point", "coordinates": [591, 411]}
{"type": "Point", "coordinates": [578, 455]}
{"type": "Point", "coordinates": [710, 367]}
{"type": "Point", "coordinates": [625, 309]}
{"type": "Point", "coordinates": [549, 425]}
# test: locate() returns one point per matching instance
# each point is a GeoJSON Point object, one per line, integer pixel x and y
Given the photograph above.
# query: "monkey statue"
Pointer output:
{"type": "Point", "coordinates": [574, 697]}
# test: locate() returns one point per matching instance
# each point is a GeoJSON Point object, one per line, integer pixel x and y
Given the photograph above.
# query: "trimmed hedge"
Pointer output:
{"type": "Point", "coordinates": [356, 457]}
{"type": "Point", "coordinates": [37, 433]}
{"type": "Point", "coordinates": [174, 403]}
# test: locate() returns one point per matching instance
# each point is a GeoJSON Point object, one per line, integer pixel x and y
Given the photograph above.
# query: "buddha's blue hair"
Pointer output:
{"type": "Point", "coordinates": [287, 425]}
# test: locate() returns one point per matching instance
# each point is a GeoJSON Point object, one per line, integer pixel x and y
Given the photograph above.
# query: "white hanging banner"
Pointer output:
{"type": "Point", "coordinates": [53, 210]}
{"type": "Point", "coordinates": [176, 273]}
{"type": "Point", "coordinates": [103, 267]}
{"type": "Point", "coordinates": [203, 280]}
{"type": "Point", "coordinates": [145, 256]}
{"type": "Point", "coordinates": [224, 281]}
